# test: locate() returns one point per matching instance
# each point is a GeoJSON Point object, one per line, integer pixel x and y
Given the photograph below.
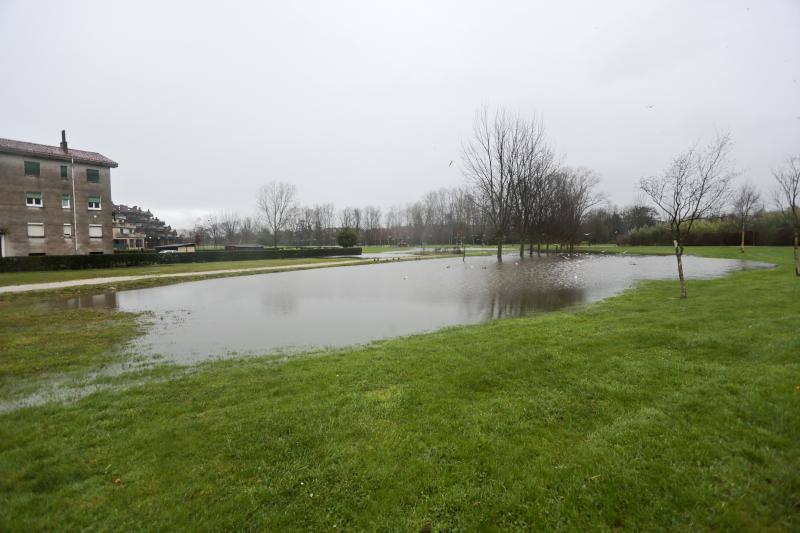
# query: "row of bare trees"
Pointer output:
{"type": "Point", "coordinates": [444, 216]}
{"type": "Point", "coordinates": [519, 186]}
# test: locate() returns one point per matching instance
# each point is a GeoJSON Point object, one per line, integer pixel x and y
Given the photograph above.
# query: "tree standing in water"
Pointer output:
{"type": "Point", "coordinates": [487, 166]}
{"type": "Point", "coordinates": [694, 186]}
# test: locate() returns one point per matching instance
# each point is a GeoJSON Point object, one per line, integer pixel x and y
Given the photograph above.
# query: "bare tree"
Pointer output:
{"type": "Point", "coordinates": [574, 195]}
{"type": "Point", "coordinates": [524, 158]}
{"type": "Point", "coordinates": [247, 230]}
{"type": "Point", "coordinates": [787, 197]}
{"type": "Point", "coordinates": [229, 223]}
{"type": "Point", "coordinates": [213, 228]}
{"type": "Point", "coordinates": [693, 187]}
{"type": "Point", "coordinates": [745, 204]}
{"type": "Point", "coordinates": [485, 160]}
{"type": "Point", "coordinates": [541, 193]}
{"type": "Point", "coordinates": [372, 224]}
{"type": "Point", "coordinates": [347, 218]}
{"type": "Point", "coordinates": [277, 203]}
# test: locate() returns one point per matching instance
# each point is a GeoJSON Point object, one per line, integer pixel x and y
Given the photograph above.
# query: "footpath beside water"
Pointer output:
{"type": "Point", "coordinates": [119, 279]}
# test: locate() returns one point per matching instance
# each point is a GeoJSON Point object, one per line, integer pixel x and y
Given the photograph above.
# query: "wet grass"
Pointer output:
{"type": "Point", "coordinates": [37, 340]}
{"type": "Point", "coordinates": [22, 278]}
{"type": "Point", "coordinates": [640, 412]}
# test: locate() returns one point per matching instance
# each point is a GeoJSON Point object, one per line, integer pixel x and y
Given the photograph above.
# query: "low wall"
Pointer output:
{"type": "Point", "coordinates": [126, 259]}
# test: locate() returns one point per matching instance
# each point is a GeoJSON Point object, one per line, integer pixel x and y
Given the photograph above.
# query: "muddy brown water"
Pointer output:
{"type": "Point", "coordinates": [333, 307]}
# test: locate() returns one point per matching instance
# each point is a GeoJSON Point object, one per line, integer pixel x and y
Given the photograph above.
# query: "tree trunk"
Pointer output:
{"type": "Point", "coordinates": [500, 251]}
{"type": "Point", "coordinates": [521, 249]}
{"type": "Point", "coordinates": [275, 239]}
{"type": "Point", "coordinates": [538, 249]}
{"type": "Point", "coordinates": [679, 256]}
{"type": "Point", "coordinates": [742, 246]}
{"type": "Point", "coordinates": [796, 254]}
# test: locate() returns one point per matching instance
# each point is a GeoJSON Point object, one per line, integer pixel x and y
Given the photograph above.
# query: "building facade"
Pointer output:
{"type": "Point", "coordinates": [126, 235]}
{"type": "Point", "coordinates": [54, 200]}
{"type": "Point", "coordinates": [156, 232]}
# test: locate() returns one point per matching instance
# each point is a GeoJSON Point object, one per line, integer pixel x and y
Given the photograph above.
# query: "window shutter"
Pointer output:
{"type": "Point", "coordinates": [35, 229]}
{"type": "Point", "coordinates": [94, 199]}
{"type": "Point", "coordinates": [63, 171]}
{"type": "Point", "coordinates": [34, 195]}
{"type": "Point", "coordinates": [93, 175]}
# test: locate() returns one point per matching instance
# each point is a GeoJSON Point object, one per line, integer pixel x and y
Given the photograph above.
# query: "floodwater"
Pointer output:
{"type": "Point", "coordinates": [331, 307]}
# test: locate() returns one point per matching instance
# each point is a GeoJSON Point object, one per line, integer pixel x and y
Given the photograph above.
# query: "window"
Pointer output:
{"type": "Point", "coordinates": [31, 168]}
{"type": "Point", "coordinates": [94, 202]}
{"type": "Point", "coordinates": [95, 231]}
{"type": "Point", "coordinates": [65, 201]}
{"type": "Point", "coordinates": [67, 230]}
{"type": "Point", "coordinates": [33, 199]}
{"type": "Point", "coordinates": [35, 229]}
{"type": "Point", "coordinates": [64, 171]}
{"type": "Point", "coordinates": [93, 175]}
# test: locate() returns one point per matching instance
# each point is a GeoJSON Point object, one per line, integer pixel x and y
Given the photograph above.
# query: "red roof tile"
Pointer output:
{"type": "Point", "coordinates": [9, 146]}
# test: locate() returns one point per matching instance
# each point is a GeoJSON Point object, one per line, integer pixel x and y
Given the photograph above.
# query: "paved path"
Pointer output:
{"type": "Point", "coordinates": [117, 279]}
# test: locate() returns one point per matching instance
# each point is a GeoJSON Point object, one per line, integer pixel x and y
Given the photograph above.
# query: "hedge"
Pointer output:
{"type": "Point", "coordinates": [769, 229]}
{"type": "Point", "coordinates": [78, 262]}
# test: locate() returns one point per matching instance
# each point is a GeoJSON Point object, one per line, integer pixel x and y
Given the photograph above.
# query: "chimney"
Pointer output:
{"type": "Point", "coordinates": [64, 140]}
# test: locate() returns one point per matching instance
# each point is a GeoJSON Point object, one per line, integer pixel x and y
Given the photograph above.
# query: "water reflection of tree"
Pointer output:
{"type": "Point", "coordinates": [521, 288]}
{"type": "Point", "coordinates": [500, 304]}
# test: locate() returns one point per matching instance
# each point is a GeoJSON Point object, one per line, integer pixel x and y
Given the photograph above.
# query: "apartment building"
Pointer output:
{"type": "Point", "coordinates": [126, 234]}
{"type": "Point", "coordinates": [54, 200]}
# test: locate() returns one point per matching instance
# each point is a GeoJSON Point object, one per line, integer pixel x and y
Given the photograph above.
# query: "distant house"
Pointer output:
{"type": "Point", "coordinates": [179, 247]}
{"type": "Point", "coordinates": [54, 200]}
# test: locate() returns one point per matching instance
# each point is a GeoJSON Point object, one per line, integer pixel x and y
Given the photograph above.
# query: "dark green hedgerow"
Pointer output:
{"type": "Point", "coordinates": [76, 262]}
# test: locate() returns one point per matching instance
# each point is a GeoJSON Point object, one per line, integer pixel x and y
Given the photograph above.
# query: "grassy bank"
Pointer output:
{"type": "Point", "coordinates": [639, 412]}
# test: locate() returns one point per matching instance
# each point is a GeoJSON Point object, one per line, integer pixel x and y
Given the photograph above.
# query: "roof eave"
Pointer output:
{"type": "Point", "coordinates": [108, 163]}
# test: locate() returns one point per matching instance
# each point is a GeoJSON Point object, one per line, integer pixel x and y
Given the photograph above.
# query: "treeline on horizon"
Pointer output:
{"type": "Point", "coordinates": [518, 191]}
{"type": "Point", "coordinates": [448, 216]}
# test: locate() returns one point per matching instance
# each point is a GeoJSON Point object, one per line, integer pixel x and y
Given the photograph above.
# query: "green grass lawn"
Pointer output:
{"type": "Point", "coordinates": [641, 412]}
{"type": "Point", "coordinates": [21, 278]}
{"type": "Point", "coordinates": [378, 249]}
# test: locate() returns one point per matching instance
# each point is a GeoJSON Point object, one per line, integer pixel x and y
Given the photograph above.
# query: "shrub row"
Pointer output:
{"type": "Point", "coordinates": [77, 262]}
{"type": "Point", "coordinates": [767, 230]}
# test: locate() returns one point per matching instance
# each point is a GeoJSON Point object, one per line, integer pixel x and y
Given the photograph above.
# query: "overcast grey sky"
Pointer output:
{"type": "Point", "coordinates": [367, 102]}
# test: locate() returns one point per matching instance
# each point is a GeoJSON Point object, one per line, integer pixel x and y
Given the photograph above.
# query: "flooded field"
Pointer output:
{"type": "Point", "coordinates": [331, 307]}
